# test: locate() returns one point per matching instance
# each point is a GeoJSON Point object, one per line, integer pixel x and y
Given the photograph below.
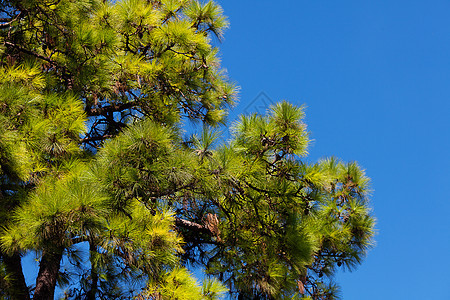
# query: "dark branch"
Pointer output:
{"type": "Point", "coordinates": [20, 48]}
{"type": "Point", "coordinates": [8, 21]}
{"type": "Point", "coordinates": [95, 138]}
{"type": "Point", "coordinates": [16, 284]}
{"type": "Point", "coordinates": [192, 225]}
{"type": "Point", "coordinates": [108, 109]}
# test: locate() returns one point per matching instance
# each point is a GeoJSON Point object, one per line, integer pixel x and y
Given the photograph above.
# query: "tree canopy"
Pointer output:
{"type": "Point", "coordinates": [100, 181]}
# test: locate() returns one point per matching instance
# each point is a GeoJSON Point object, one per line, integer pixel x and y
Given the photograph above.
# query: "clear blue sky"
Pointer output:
{"type": "Point", "coordinates": [375, 77]}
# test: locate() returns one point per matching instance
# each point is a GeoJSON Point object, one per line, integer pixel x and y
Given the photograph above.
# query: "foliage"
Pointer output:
{"type": "Point", "coordinates": [98, 180]}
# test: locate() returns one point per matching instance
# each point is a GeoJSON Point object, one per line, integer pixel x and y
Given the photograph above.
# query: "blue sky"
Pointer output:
{"type": "Point", "coordinates": [375, 78]}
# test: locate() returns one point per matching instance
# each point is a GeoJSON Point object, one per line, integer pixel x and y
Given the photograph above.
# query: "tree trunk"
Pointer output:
{"type": "Point", "coordinates": [94, 274]}
{"type": "Point", "coordinates": [48, 272]}
{"type": "Point", "coordinates": [17, 287]}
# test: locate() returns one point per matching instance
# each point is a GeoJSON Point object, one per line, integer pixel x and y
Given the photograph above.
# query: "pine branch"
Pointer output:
{"type": "Point", "coordinates": [9, 21]}
{"type": "Point", "coordinates": [99, 111]}
{"type": "Point", "coordinates": [193, 226]}
{"type": "Point", "coordinates": [95, 138]}
{"type": "Point", "coordinates": [29, 52]}
{"type": "Point", "coordinates": [66, 74]}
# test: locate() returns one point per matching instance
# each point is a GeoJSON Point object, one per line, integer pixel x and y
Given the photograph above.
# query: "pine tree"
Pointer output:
{"type": "Point", "coordinates": [98, 179]}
